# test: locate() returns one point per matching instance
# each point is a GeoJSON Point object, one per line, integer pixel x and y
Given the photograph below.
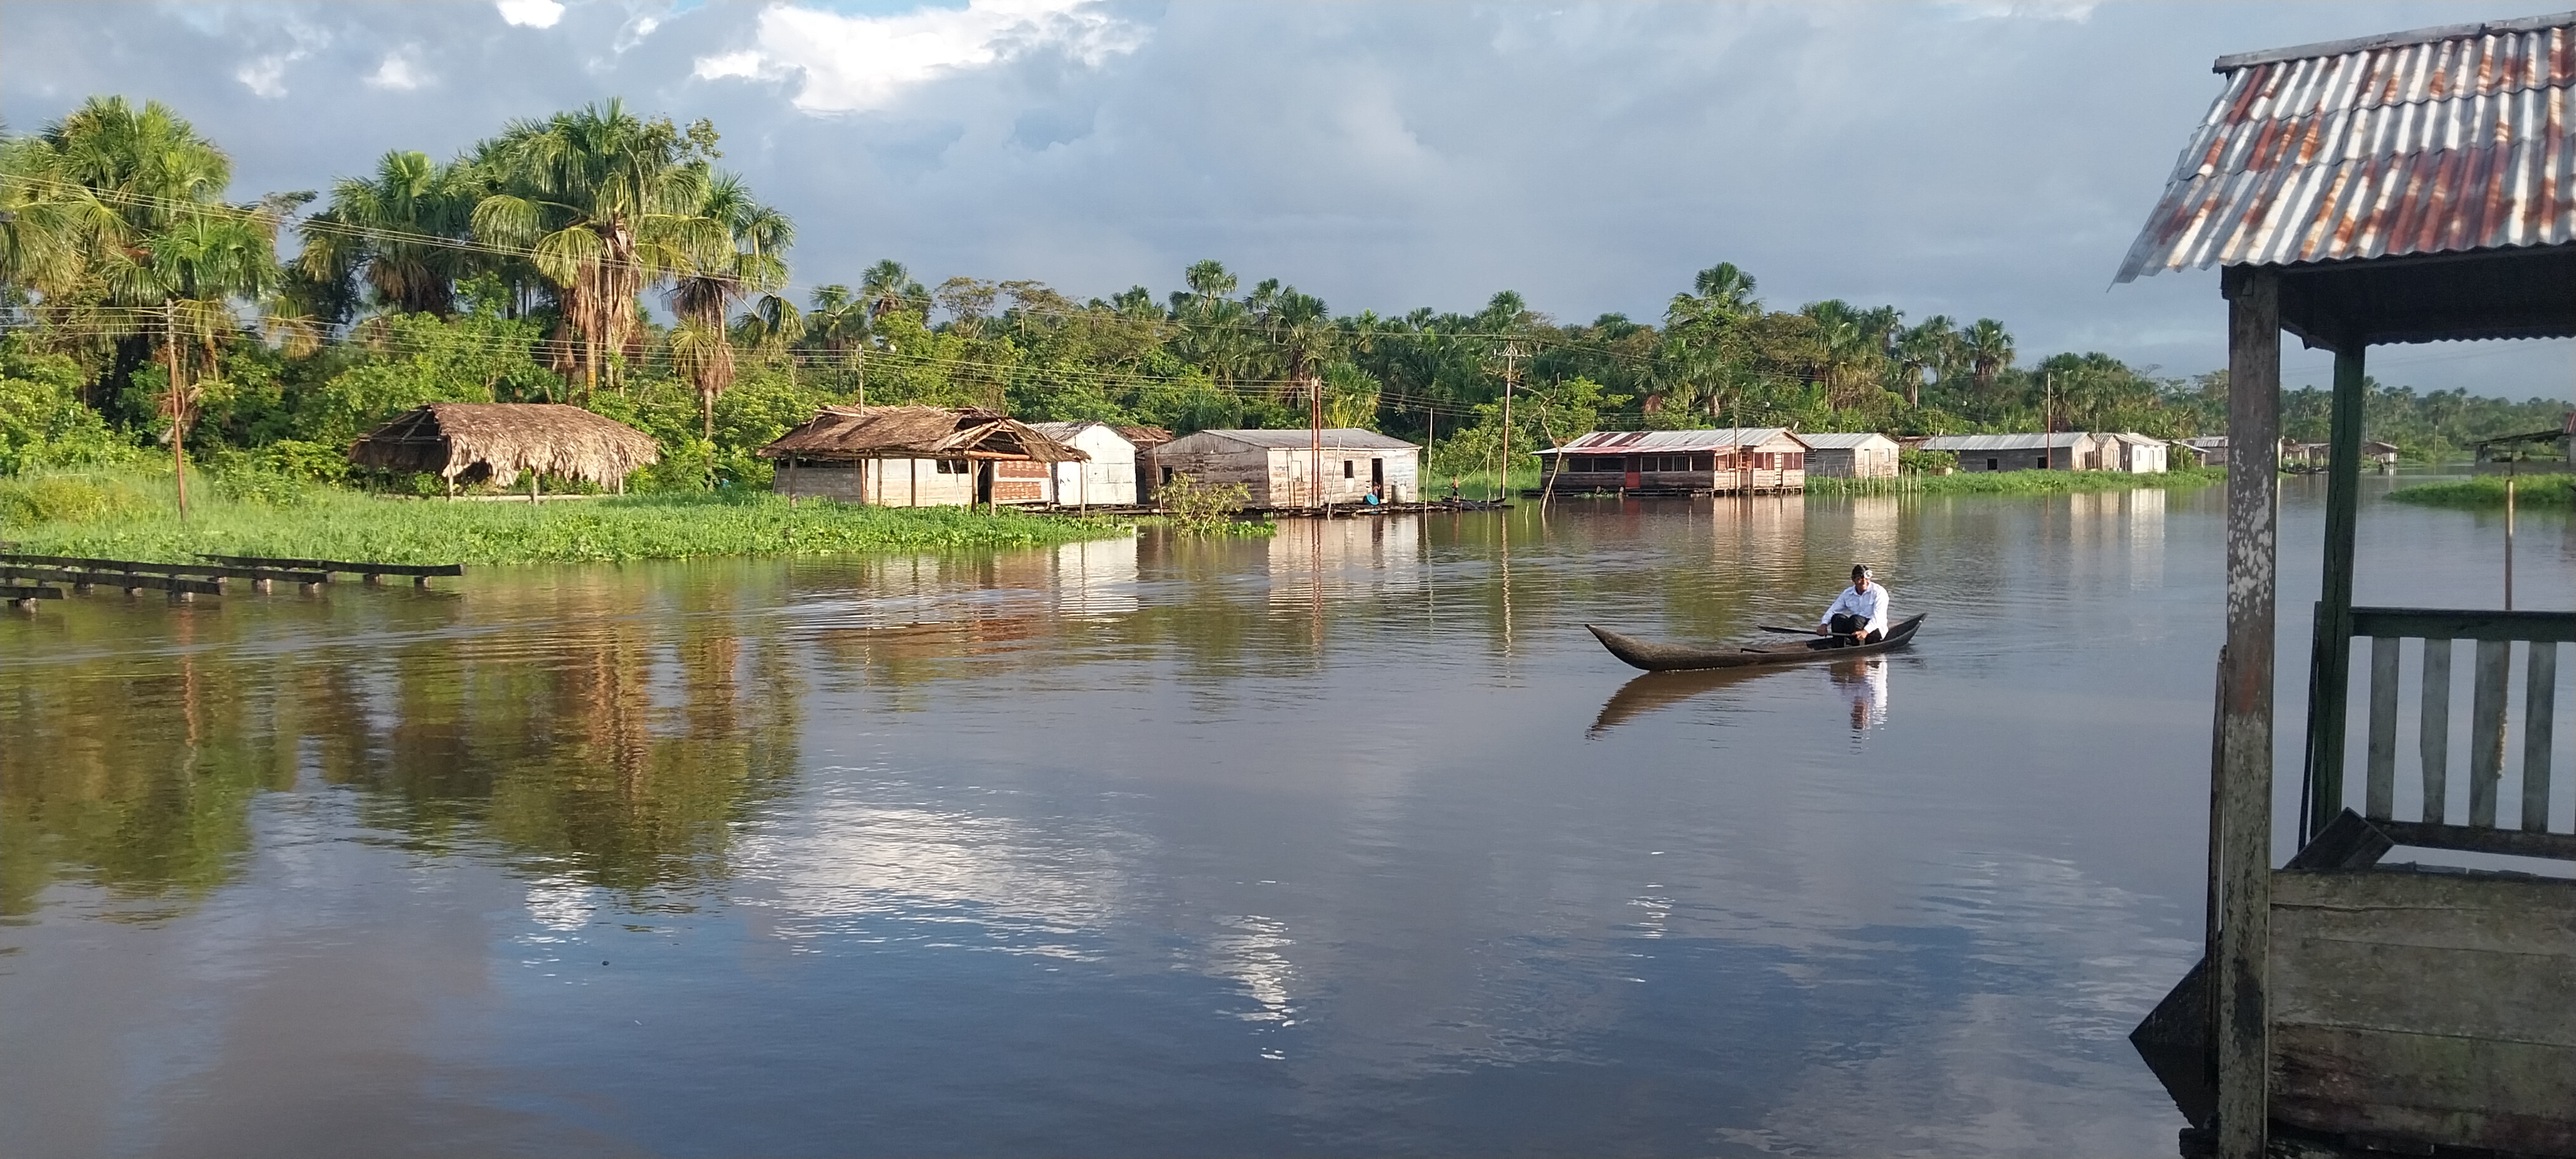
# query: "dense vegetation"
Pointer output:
{"type": "Point", "coordinates": [603, 258]}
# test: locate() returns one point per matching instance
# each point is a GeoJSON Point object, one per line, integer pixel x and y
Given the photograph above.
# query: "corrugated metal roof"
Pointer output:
{"type": "Point", "coordinates": [1723, 439]}
{"type": "Point", "coordinates": [2433, 141]}
{"type": "Point", "coordinates": [2029, 442]}
{"type": "Point", "coordinates": [1842, 440]}
{"type": "Point", "coordinates": [1335, 438]}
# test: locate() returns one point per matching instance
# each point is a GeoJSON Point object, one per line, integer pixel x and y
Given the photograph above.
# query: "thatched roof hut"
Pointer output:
{"type": "Point", "coordinates": [844, 433]}
{"type": "Point", "coordinates": [472, 441]}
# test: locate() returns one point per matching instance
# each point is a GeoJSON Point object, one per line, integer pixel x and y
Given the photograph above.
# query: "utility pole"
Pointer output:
{"type": "Point", "coordinates": [1315, 440]}
{"type": "Point", "coordinates": [1511, 379]}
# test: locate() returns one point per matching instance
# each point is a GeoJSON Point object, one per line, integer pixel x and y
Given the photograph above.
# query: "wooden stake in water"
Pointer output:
{"type": "Point", "coordinates": [2508, 535]}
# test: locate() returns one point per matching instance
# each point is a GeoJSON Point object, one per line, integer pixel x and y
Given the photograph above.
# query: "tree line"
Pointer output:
{"type": "Point", "coordinates": [604, 258]}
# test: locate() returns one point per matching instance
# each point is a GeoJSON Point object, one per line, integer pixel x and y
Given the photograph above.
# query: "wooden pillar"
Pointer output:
{"type": "Point", "coordinates": [2244, 773]}
{"type": "Point", "coordinates": [2330, 662]}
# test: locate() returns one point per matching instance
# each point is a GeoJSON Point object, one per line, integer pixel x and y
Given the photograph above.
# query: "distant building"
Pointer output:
{"type": "Point", "coordinates": [1145, 440]}
{"type": "Point", "coordinates": [2063, 451]}
{"type": "Point", "coordinates": [1732, 460]}
{"type": "Point", "coordinates": [1866, 455]}
{"type": "Point", "coordinates": [1275, 466]}
{"type": "Point", "coordinates": [1106, 478]}
{"type": "Point", "coordinates": [2132, 452]}
{"type": "Point", "coordinates": [2205, 451]}
{"type": "Point", "coordinates": [916, 456]}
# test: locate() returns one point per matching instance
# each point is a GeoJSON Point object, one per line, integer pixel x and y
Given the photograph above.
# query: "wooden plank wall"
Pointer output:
{"type": "Point", "coordinates": [2426, 1007]}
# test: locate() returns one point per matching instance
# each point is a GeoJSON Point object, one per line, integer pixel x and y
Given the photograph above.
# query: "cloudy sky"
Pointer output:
{"type": "Point", "coordinates": [1971, 159]}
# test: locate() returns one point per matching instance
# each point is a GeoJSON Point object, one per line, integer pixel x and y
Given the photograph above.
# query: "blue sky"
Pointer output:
{"type": "Point", "coordinates": [1970, 159]}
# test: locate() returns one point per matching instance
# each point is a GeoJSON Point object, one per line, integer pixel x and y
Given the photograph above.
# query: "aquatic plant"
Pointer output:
{"type": "Point", "coordinates": [2488, 491]}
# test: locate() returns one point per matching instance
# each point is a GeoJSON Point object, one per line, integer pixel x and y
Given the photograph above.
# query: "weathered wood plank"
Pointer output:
{"type": "Point", "coordinates": [2244, 774]}
{"type": "Point", "coordinates": [2381, 795]}
{"type": "Point", "coordinates": [2486, 730]}
{"type": "Point", "coordinates": [2450, 624]}
{"type": "Point", "coordinates": [2494, 913]}
{"type": "Point", "coordinates": [2425, 1089]}
{"type": "Point", "coordinates": [115, 567]}
{"type": "Point", "coordinates": [2433, 735]}
{"type": "Point", "coordinates": [2539, 712]}
{"type": "Point", "coordinates": [2513, 842]}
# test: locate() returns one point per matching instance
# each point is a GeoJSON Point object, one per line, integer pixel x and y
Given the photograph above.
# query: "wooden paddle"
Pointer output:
{"type": "Point", "coordinates": [1791, 631]}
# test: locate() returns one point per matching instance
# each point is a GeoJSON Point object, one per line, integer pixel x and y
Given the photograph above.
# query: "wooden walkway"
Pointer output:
{"type": "Point", "coordinates": [25, 578]}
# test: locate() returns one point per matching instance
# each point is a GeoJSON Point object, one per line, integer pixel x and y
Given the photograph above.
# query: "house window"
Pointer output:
{"type": "Point", "coordinates": [1703, 463]}
{"type": "Point", "coordinates": [1346, 469]}
{"type": "Point", "coordinates": [2041, 462]}
{"type": "Point", "coordinates": [1992, 465]}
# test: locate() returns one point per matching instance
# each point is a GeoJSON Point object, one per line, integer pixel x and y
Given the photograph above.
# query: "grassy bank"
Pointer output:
{"type": "Point", "coordinates": [2016, 482]}
{"type": "Point", "coordinates": [2488, 491]}
{"type": "Point", "coordinates": [136, 517]}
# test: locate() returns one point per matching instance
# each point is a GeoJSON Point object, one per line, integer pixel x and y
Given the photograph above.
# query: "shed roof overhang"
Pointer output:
{"type": "Point", "coordinates": [2521, 292]}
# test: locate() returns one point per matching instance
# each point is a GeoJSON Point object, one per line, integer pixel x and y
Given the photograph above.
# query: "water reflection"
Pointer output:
{"type": "Point", "coordinates": [1142, 845]}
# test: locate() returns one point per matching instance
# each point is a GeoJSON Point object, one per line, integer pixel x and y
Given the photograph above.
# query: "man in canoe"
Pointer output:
{"type": "Point", "coordinates": [1859, 615]}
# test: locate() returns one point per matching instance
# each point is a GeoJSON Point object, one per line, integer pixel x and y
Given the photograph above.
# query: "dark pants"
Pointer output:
{"type": "Point", "coordinates": [1848, 626]}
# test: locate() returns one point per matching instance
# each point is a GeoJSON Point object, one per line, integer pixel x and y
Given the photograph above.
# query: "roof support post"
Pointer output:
{"type": "Point", "coordinates": [2244, 773]}
{"type": "Point", "coordinates": [2330, 665]}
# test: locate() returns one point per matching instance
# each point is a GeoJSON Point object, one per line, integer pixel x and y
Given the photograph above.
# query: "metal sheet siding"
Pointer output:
{"type": "Point", "coordinates": [2434, 146]}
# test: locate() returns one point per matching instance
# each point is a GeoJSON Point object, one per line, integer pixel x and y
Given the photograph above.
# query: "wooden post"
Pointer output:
{"type": "Point", "coordinates": [532, 488]}
{"type": "Point", "coordinates": [2244, 773]}
{"type": "Point", "coordinates": [2330, 657]}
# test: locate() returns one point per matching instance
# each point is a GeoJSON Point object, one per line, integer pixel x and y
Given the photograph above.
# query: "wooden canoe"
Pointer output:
{"type": "Point", "coordinates": [1655, 657]}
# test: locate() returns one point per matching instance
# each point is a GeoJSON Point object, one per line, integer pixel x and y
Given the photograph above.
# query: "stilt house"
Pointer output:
{"type": "Point", "coordinates": [2404, 188]}
{"type": "Point", "coordinates": [1727, 461]}
{"type": "Point", "coordinates": [1104, 477]}
{"type": "Point", "coordinates": [1275, 466]}
{"type": "Point", "coordinates": [2062, 451]}
{"type": "Point", "coordinates": [916, 456]}
{"type": "Point", "coordinates": [1145, 439]}
{"type": "Point", "coordinates": [1860, 455]}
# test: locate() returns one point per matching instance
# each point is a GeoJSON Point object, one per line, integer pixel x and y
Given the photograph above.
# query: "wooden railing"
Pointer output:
{"type": "Point", "coordinates": [2495, 820]}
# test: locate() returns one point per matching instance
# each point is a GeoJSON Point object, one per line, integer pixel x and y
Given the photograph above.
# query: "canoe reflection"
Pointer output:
{"type": "Point", "coordinates": [1862, 683]}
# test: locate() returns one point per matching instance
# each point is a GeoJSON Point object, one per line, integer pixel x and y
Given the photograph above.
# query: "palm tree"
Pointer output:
{"type": "Point", "coordinates": [840, 321]}
{"type": "Point", "coordinates": [397, 230]}
{"type": "Point", "coordinates": [1925, 347]}
{"type": "Point", "coordinates": [606, 204]}
{"type": "Point", "coordinates": [742, 257]}
{"type": "Point", "coordinates": [887, 287]}
{"type": "Point", "coordinates": [1724, 295]}
{"type": "Point", "coordinates": [1988, 347]}
{"type": "Point", "coordinates": [107, 179]}
{"type": "Point", "coordinates": [195, 270]}
{"type": "Point", "coordinates": [771, 329]}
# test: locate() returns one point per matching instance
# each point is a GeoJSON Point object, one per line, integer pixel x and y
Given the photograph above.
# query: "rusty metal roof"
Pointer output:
{"type": "Point", "coordinates": [2440, 140]}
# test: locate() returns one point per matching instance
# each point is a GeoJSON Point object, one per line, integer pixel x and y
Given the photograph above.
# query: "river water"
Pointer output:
{"type": "Point", "coordinates": [1347, 842]}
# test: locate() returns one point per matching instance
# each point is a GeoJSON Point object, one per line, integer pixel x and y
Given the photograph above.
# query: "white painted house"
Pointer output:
{"type": "Point", "coordinates": [1106, 479]}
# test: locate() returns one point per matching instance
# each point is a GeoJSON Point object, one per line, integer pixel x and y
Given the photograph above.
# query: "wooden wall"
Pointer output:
{"type": "Point", "coordinates": [2426, 1007]}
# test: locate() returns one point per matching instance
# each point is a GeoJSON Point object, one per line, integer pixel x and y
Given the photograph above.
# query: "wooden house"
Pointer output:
{"type": "Point", "coordinates": [1145, 439]}
{"type": "Point", "coordinates": [1277, 467]}
{"type": "Point", "coordinates": [1728, 461]}
{"type": "Point", "coordinates": [916, 456]}
{"type": "Point", "coordinates": [2394, 189]}
{"type": "Point", "coordinates": [2205, 450]}
{"type": "Point", "coordinates": [1104, 477]}
{"type": "Point", "coordinates": [2063, 451]}
{"type": "Point", "coordinates": [1863, 455]}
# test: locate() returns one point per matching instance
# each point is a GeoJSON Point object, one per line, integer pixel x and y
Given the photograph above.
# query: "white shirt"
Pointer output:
{"type": "Point", "coordinates": [1871, 603]}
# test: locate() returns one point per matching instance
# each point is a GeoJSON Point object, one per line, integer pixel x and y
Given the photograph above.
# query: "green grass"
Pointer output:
{"type": "Point", "coordinates": [139, 520]}
{"type": "Point", "coordinates": [2016, 482]}
{"type": "Point", "coordinates": [1477, 484]}
{"type": "Point", "coordinates": [2488, 491]}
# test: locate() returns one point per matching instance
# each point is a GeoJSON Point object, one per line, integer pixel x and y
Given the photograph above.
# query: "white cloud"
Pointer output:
{"type": "Point", "coordinates": [265, 75]}
{"type": "Point", "coordinates": [398, 72]}
{"type": "Point", "coordinates": [853, 63]}
{"type": "Point", "coordinates": [530, 13]}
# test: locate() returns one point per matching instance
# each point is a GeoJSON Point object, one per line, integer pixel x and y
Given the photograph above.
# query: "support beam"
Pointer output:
{"type": "Point", "coordinates": [2330, 659]}
{"type": "Point", "coordinates": [2244, 774]}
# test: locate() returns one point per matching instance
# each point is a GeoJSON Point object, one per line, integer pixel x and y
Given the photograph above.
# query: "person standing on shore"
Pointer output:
{"type": "Point", "coordinates": [1859, 615]}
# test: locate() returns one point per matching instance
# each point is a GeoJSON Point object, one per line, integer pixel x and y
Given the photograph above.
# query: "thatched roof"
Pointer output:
{"type": "Point", "coordinates": [1145, 437]}
{"type": "Point", "coordinates": [470, 440]}
{"type": "Point", "coordinates": [917, 432]}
